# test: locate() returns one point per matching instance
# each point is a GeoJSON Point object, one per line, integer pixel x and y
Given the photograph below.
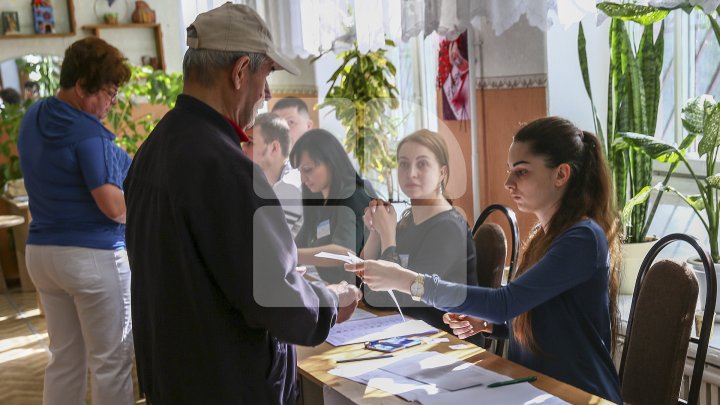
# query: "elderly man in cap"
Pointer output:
{"type": "Point", "coordinates": [217, 303]}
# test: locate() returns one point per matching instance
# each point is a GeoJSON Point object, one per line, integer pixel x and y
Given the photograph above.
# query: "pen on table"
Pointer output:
{"type": "Point", "coordinates": [384, 356]}
{"type": "Point", "coordinates": [515, 381]}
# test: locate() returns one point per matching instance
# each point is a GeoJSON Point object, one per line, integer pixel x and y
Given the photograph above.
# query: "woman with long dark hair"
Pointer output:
{"type": "Point", "coordinates": [334, 197]}
{"type": "Point", "coordinates": [560, 310]}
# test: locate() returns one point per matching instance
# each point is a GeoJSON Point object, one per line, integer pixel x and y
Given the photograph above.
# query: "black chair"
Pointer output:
{"type": "Point", "coordinates": [658, 329]}
{"type": "Point", "coordinates": [491, 252]}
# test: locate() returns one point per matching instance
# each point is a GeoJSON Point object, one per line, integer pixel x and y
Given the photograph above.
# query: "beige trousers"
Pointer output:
{"type": "Point", "coordinates": [86, 296]}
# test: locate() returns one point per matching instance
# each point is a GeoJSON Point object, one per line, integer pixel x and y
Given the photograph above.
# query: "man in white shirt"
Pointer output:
{"type": "Point", "coordinates": [269, 148]}
{"type": "Point", "coordinates": [296, 113]}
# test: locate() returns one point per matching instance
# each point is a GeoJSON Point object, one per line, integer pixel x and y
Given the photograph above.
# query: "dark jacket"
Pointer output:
{"type": "Point", "coordinates": [216, 299]}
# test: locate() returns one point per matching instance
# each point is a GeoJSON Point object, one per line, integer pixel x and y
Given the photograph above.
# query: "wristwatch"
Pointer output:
{"type": "Point", "coordinates": [417, 288]}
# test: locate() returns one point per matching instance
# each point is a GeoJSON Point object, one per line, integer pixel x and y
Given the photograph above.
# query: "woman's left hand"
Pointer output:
{"type": "Point", "coordinates": [465, 326]}
{"type": "Point", "coordinates": [381, 275]}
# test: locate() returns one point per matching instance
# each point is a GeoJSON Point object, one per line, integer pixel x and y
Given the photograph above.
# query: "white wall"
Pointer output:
{"type": "Point", "coordinates": [566, 91]}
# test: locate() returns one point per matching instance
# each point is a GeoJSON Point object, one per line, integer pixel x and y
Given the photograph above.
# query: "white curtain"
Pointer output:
{"type": "Point", "coordinates": [309, 27]}
{"type": "Point", "coordinates": [305, 28]}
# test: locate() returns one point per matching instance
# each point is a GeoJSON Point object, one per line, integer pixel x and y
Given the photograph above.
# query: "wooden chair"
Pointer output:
{"type": "Point", "coordinates": [658, 329]}
{"type": "Point", "coordinates": [491, 253]}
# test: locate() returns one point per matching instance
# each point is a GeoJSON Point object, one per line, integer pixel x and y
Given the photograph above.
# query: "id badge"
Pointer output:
{"type": "Point", "coordinates": [404, 260]}
{"type": "Point", "coordinates": [323, 229]}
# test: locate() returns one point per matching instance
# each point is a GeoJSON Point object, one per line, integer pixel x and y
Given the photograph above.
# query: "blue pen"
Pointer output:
{"type": "Point", "coordinates": [515, 381]}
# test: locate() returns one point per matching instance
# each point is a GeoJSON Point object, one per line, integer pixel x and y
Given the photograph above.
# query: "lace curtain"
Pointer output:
{"type": "Point", "coordinates": [309, 27]}
{"type": "Point", "coordinates": [305, 28]}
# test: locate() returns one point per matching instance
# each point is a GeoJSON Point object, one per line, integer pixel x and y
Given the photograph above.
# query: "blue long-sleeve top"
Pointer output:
{"type": "Point", "coordinates": [567, 294]}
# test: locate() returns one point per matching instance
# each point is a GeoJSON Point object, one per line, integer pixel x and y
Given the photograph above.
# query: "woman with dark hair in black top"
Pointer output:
{"type": "Point", "coordinates": [334, 198]}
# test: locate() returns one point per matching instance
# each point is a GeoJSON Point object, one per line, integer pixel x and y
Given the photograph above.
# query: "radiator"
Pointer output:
{"type": "Point", "coordinates": [710, 387]}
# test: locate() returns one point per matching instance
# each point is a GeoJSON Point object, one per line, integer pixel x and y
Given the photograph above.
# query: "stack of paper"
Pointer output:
{"type": "Point", "coordinates": [432, 378]}
{"type": "Point", "coordinates": [381, 327]}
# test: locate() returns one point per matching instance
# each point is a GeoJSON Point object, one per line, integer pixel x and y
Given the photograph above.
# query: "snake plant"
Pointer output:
{"type": "Point", "coordinates": [633, 99]}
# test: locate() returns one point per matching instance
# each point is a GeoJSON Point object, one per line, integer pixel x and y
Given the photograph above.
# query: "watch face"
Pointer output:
{"type": "Point", "coordinates": [417, 289]}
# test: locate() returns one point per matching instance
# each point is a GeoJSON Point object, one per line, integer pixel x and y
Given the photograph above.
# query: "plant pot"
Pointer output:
{"type": "Point", "coordinates": [633, 255]}
{"type": "Point", "coordinates": [110, 19]}
{"type": "Point", "coordinates": [697, 267]}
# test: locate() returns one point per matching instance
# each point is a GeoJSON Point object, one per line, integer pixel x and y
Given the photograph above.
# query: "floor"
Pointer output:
{"type": "Point", "coordinates": [24, 350]}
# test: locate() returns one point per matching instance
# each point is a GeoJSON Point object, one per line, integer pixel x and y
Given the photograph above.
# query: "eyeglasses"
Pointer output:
{"type": "Point", "coordinates": [112, 93]}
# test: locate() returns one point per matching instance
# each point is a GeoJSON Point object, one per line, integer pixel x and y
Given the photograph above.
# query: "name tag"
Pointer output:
{"type": "Point", "coordinates": [323, 229]}
{"type": "Point", "coordinates": [404, 260]}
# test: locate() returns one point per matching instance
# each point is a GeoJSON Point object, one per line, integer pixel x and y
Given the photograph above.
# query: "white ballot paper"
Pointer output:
{"type": "Point", "coordinates": [423, 377]}
{"type": "Point", "coordinates": [380, 327]}
{"type": "Point", "coordinates": [351, 258]}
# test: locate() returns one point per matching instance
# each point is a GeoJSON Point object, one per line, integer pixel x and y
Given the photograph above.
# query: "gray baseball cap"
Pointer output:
{"type": "Point", "coordinates": [235, 28]}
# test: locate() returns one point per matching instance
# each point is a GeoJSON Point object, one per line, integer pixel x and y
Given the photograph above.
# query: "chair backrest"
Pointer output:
{"type": "Point", "coordinates": [491, 251]}
{"type": "Point", "coordinates": [486, 256]}
{"type": "Point", "coordinates": [657, 335]}
{"type": "Point", "coordinates": [491, 245]}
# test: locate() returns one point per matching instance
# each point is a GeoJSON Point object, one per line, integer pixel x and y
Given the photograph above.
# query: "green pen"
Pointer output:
{"type": "Point", "coordinates": [515, 381]}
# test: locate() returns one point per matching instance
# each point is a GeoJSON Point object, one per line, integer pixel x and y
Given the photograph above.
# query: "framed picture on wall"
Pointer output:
{"type": "Point", "coordinates": [453, 78]}
{"type": "Point", "coordinates": [44, 19]}
{"type": "Point", "coordinates": [10, 22]}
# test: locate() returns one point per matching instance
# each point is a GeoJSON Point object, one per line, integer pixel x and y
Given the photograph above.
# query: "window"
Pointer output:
{"type": "Point", "coordinates": [691, 67]}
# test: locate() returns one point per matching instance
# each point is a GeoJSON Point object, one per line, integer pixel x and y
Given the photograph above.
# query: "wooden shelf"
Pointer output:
{"type": "Point", "coordinates": [71, 20]}
{"type": "Point", "coordinates": [24, 36]}
{"type": "Point", "coordinates": [93, 27]}
{"type": "Point", "coordinates": [96, 28]}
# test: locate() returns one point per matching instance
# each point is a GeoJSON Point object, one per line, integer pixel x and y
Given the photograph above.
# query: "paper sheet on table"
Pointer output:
{"type": "Point", "coordinates": [359, 314]}
{"type": "Point", "coordinates": [381, 327]}
{"type": "Point", "coordinates": [369, 373]}
{"type": "Point", "coordinates": [375, 374]}
{"type": "Point", "coordinates": [523, 393]}
{"type": "Point", "coordinates": [442, 371]}
{"type": "Point", "coordinates": [351, 258]}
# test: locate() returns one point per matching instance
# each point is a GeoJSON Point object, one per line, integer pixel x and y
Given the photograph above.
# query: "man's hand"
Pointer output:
{"type": "Point", "coordinates": [348, 297]}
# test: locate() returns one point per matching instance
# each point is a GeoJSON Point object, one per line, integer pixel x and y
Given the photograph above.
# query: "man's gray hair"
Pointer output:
{"type": "Point", "coordinates": [201, 64]}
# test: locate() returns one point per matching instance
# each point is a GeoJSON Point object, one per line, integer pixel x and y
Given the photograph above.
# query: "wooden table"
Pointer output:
{"type": "Point", "coordinates": [315, 362]}
{"type": "Point", "coordinates": [20, 208]}
{"type": "Point", "coordinates": [8, 221]}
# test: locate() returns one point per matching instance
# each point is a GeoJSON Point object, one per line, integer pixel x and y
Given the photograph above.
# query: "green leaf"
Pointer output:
{"type": "Point", "coordinates": [687, 141]}
{"type": "Point", "coordinates": [711, 127]}
{"type": "Point", "coordinates": [693, 113]}
{"type": "Point", "coordinates": [695, 201]}
{"type": "Point", "coordinates": [655, 148]}
{"type": "Point", "coordinates": [715, 26]}
{"type": "Point", "coordinates": [644, 15]}
{"type": "Point", "coordinates": [713, 181]}
{"type": "Point", "coordinates": [639, 198]}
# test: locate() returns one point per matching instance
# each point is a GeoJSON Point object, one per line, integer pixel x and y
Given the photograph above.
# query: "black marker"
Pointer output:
{"type": "Point", "coordinates": [384, 356]}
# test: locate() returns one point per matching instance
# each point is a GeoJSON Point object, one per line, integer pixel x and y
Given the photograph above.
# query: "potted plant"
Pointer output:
{"type": "Point", "coordinates": [155, 87]}
{"type": "Point", "coordinates": [110, 18]}
{"type": "Point", "coordinates": [10, 118]}
{"type": "Point", "coordinates": [701, 118]}
{"type": "Point", "coordinates": [637, 75]}
{"type": "Point", "coordinates": [633, 100]}
{"type": "Point", "coordinates": [361, 93]}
